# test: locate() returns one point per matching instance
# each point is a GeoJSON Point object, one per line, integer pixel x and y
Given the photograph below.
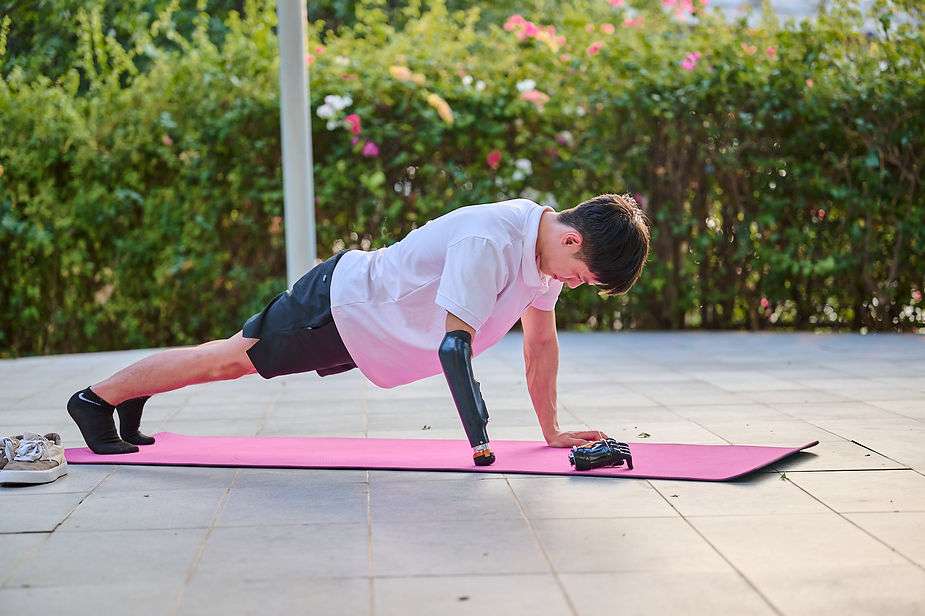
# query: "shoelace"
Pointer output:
{"type": "Point", "coordinates": [31, 448]}
{"type": "Point", "coordinates": [9, 448]}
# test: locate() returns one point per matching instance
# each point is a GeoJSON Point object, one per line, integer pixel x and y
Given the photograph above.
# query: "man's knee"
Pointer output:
{"type": "Point", "coordinates": [228, 359]}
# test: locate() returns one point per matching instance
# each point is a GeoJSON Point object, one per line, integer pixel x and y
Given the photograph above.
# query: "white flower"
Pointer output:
{"type": "Point", "coordinates": [342, 60]}
{"type": "Point", "coordinates": [325, 111]}
{"type": "Point", "coordinates": [338, 102]}
{"type": "Point", "coordinates": [524, 165]}
{"type": "Point", "coordinates": [467, 80]}
{"type": "Point", "coordinates": [518, 175]}
{"type": "Point", "coordinates": [479, 85]}
{"type": "Point", "coordinates": [580, 111]}
{"type": "Point", "coordinates": [333, 124]}
{"type": "Point", "coordinates": [526, 85]}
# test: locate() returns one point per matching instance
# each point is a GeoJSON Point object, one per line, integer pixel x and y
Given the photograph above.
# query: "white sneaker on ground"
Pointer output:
{"type": "Point", "coordinates": [35, 459]}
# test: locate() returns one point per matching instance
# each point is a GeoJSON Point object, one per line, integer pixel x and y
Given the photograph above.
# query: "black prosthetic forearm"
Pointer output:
{"type": "Point", "coordinates": [456, 358]}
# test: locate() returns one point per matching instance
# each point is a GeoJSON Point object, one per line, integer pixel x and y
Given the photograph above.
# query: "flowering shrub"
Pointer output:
{"type": "Point", "coordinates": [780, 165]}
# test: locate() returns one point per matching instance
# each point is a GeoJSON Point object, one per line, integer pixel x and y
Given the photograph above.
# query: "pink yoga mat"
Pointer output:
{"type": "Point", "coordinates": [651, 460]}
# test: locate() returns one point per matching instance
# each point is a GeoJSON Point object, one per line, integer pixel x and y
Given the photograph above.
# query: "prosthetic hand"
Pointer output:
{"type": "Point", "coordinates": [456, 358]}
{"type": "Point", "coordinates": [606, 452]}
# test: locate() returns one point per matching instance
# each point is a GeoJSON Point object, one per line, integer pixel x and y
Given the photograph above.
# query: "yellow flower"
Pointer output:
{"type": "Point", "coordinates": [403, 73]}
{"type": "Point", "coordinates": [442, 107]}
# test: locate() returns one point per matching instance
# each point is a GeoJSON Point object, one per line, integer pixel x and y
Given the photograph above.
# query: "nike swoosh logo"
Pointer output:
{"type": "Point", "coordinates": [81, 396]}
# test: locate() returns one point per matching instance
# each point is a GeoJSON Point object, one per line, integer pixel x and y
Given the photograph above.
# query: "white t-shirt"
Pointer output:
{"type": "Point", "coordinates": [477, 262]}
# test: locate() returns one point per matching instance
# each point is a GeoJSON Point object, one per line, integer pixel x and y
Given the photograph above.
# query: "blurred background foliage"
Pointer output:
{"type": "Point", "coordinates": [141, 190]}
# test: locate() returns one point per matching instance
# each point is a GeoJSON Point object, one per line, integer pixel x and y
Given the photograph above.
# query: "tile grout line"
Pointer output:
{"type": "Point", "coordinates": [856, 525]}
{"type": "Point", "coordinates": [539, 543]}
{"type": "Point", "coordinates": [201, 548]}
{"type": "Point", "coordinates": [369, 547]}
{"type": "Point", "coordinates": [740, 573]}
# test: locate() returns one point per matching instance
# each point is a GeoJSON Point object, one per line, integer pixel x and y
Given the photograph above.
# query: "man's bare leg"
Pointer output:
{"type": "Point", "coordinates": [218, 360]}
{"type": "Point", "coordinates": [92, 408]}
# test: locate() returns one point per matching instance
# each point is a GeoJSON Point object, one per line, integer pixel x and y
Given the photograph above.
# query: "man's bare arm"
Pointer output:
{"type": "Point", "coordinates": [541, 358]}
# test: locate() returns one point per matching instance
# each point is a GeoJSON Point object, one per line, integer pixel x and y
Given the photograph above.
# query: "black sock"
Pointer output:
{"type": "Point", "coordinates": [93, 416]}
{"type": "Point", "coordinates": [130, 419]}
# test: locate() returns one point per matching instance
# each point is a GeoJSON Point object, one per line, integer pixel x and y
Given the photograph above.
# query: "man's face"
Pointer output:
{"type": "Point", "coordinates": [565, 265]}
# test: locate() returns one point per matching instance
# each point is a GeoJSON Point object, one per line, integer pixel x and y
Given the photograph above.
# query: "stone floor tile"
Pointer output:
{"type": "Point", "coordinates": [352, 426]}
{"type": "Point", "coordinates": [835, 456]}
{"type": "Point", "coordinates": [537, 595]}
{"type": "Point", "coordinates": [641, 593]}
{"type": "Point", "coordinates": [463, 547]}
{"type": "Point", "coordinates": [834, 589]}
{"type": "Point", "coordinates": [793, 544]}
{"type": "Point", "coordinates": [626, 544]}
{"type": "Point", "coordinates": [157, 509]}
{"type": "Point", "coordinates": [587, 497]}
{"type": "Point", "coordinates": [276, 479]}
{"type": "Point", "coordinates": [288, 595]}
{"type": "Point", "coordinates": [902, 531]}
{"type": "Point", "coordinates": [787, 432]}
{"type": "Point", "coordinates": [753, 495]}
{"type": "Point", "coordinates": [21, 511]}
{"type": "Point", "coordinates": [249, 553]}
{"type": "Point", "coordinates": [340, 502]}
{"type": "Point", "coordinates": [413, 501]}
{"type": "Point", "coordinates": [212, 427]}
{"type": "Point", "coordinates": [914, 408]}
{"type": "Point", "coordinates": [137, 478]}
{"type": "Point", "coordinates": [156, 558]}
{"type": "Point", "coordinates": [139, 599]}
{"type": "Point", "coordinates": [854, 491]}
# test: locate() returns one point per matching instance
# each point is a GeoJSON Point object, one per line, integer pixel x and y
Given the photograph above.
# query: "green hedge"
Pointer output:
{"type": "Point", "coordinates": [781, 165]}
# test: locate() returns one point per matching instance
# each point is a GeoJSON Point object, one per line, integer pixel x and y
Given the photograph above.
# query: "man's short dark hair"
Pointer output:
{"type": "Point", "coordinates": [615, 239]}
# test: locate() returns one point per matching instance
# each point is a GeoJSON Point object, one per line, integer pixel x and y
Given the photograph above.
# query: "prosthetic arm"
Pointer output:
{"type": "Point", "coordinates": [456, 358]}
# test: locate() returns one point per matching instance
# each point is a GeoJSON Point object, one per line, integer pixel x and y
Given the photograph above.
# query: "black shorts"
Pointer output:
{"type": "Point", "coordinates": [297, 331]}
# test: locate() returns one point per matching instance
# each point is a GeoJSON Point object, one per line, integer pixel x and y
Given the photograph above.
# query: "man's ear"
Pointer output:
{"type": "Point", "coordinates": [572, 239]}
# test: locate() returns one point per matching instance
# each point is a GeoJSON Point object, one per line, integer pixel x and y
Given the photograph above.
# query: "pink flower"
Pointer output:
{"type": "Point", "coordinates": [319, 49]}
{"type": "Point", "coordinates": [355, 140]}
{"type": "Point", "coordinates": [690, 61]}
{"type": "Point", "coordinates": [536, 97]}
{"type": "Point", "coordinates": [632, 22]}
{"type": "Point", "coordinates": [617, 3]}
{"type": "Point", "coordinates": [916, 295]}
{"type": "Point", "coordinates": [607, 28]}
{"type": "Point", "coordinates": [530, 29]}
{"type": "Point", "coordinates": [354, 121]}
{"type": "Point", "coordinates": [513, 22]}
{"type": "Point", "coordinates": [594, 48]}
{"type": "Point", "coordinates": [809, 83]}
{"type": "Point", "coordinates": [764, 303]}
{"type": "Point", "coordinates": [370, 150]}
{"type": "Point", "coordinates": [494, 159]}
{"type": "Point", "coordinates": [820, 213]}
{"type": "Point", "coordinates": [771, 51]}
{"type": "Point", "coordinates": [166, 140]}
{"type": "Point", "coordinates": [589, 28]}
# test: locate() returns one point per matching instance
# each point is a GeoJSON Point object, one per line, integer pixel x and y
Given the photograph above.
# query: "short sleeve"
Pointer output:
{"type": "Point", "coordinates": [474, 274]}
{"type": "Point", "coordinates": [547, 300]}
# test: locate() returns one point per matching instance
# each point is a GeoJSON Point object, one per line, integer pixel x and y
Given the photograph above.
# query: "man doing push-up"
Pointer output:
{"type": "Point", "coordinates": [424, 305]}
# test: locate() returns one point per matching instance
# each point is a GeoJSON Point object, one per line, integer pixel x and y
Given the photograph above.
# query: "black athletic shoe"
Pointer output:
{"type": "Point", "coordinates": [93, 416]}
{"type": "Point", "coordinates": [130, 419]}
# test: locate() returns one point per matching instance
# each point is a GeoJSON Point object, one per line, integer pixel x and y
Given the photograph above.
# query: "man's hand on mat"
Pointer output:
{"type": "Point", "coordinates": [570, 439]}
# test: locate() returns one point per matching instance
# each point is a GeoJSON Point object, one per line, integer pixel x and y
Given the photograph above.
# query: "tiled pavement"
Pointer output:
{"type": "Point", "coordinates": [838, 530]}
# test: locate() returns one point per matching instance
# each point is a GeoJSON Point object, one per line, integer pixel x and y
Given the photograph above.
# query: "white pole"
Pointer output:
{"type": "Point", "coordinates": [298, 183]}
